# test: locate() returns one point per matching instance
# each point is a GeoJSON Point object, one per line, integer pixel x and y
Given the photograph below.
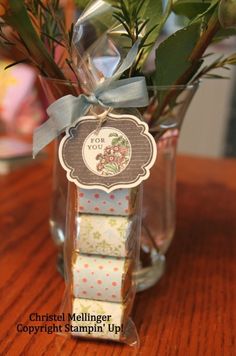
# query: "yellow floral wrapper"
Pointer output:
{"type": "Point", "coordinates": [101, 278]}
{"type": "Point", "coordinates": [97, 319]}
{"type": "Point", "coordinates": [105, 235]}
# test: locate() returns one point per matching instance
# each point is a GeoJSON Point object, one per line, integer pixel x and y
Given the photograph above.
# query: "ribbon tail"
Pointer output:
{"type": "Point", "coordinates": [128, 61]}
{"type": "Point", "coordinates": [62, 113]}
{"type": "Point", "coordinates": [43, 135]}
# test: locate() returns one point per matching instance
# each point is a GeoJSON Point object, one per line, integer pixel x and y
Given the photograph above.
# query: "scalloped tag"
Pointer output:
{"type": "Point", "coordinates": [118, 155]}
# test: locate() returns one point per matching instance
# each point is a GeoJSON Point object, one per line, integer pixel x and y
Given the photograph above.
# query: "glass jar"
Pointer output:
{"type": "Point", "coordinates": [158, 217]}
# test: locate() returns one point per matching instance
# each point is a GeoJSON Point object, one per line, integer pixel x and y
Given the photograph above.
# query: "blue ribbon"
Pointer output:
{"type": "Point", "coordinates": [113, 93]}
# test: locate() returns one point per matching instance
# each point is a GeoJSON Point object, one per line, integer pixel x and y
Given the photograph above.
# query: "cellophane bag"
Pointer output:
{"type": "Point", "coordinates": [102, 242]}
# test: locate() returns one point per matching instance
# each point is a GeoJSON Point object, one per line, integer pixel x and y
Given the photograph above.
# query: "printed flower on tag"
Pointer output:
{"type": "Point", "coordinates": [119, 155]}
{"type": "Point", "coordinates": [116, 157]}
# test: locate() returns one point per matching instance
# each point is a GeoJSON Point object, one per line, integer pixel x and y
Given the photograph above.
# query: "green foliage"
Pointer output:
{"type": "Point", "coordinates": [152, 12]}
{"type": "Point", "coordinates": [131, 15]}
{"type": "Point", "coordinates": [179, 58]}
{"type": "Point", "coordinates": [172, 56]}
{"type": "Point", "coordinates": [156, 15]}
{"type": "Point", "coordinates": [49, 19]}
{"type": "Point", "coordinates": [82, 3]}
{"type": "Point", "coordinates": [120, 141]}
{"type": "Point", "coordinates": [33, 45]}
{"type": "Point", "coordinates": [190, 8]}
{"type": "Point", "coordinates": [206, 15]}
{"type": "Point", "coordinates": [141, 19]}
{"type": "Point", "coordinates": [221, 62]}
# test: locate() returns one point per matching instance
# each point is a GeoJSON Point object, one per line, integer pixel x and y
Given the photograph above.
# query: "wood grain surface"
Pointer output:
{"type": "Point", "coordinates": [190, 312]}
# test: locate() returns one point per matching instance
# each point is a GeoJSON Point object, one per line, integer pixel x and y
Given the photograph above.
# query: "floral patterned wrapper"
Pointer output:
{"type": "Point", "coordinates": [105, 235]}
{"type": "Point", "coordinates": [112, 328]}
{"type": "Point", "coordinates": [120, 202]}
{"type": "Point", "coordinates": [101, 278]}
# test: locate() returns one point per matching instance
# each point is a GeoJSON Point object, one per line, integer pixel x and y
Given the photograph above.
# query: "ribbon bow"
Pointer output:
{"type": "Point", "coordinates": [113, 93]}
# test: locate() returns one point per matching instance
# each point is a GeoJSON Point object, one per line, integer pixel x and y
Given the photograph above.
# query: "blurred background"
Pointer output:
{"type": "Point", "coordinates": [209, 127]}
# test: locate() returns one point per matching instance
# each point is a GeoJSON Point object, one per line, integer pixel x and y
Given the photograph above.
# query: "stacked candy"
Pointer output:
{"type": "Point", "coordinates": [104, 259]}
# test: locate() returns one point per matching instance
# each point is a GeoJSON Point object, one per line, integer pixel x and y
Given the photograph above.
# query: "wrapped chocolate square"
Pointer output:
{"type": "Point", "coordinates": [102, 278]}
{"type": "Point", "coordinates": [119, 202]}
{"type": "Point", "coordinates": [102, 320]}
{"type": "Point", "coordinates": [106, 235]}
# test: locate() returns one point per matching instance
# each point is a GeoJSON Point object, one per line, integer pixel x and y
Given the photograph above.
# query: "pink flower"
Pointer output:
{"type": "Point", "coordinates": [108, 150]}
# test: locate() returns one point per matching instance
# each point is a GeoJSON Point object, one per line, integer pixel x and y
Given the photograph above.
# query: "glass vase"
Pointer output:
{"type": "Point", "coordinates": [159, 200]}
{"type": "Point", "coordinates": [158, 216]}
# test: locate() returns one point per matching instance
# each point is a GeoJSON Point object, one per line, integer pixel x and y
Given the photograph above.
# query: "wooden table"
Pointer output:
{"type": "Point", "coordinates": [190, 312]}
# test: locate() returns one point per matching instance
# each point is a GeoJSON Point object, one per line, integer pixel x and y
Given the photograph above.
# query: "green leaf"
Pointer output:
{"type": "Point", "coordinates": [172, 56]}
{"type": "Point", "coordinates": [158, 17]}
{"type": "Point", "coordinates": [152, 10]}
{"type": "Point", "coordinates": [151, 18]}
{"type": "Point", "coordinates": [114, 141]}
{"type": "Point", "coordinates": [190, 8]}
{"type": "Point", "coordinates": [207, 13]}
{"type": "Point", "coordinates": [82, 3]}
{"type": "Point", "coordinates": [111, 167]}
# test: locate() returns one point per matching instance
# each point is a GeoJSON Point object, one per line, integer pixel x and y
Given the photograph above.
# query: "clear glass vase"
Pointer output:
{"type": "Point", "coordinates": [159, 201]}
{"type": "Point", "coordinates": [158, 217]}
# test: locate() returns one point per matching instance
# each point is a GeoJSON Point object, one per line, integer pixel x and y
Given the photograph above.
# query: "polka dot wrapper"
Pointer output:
{"type": "Point", "coordinates": [102, 278]}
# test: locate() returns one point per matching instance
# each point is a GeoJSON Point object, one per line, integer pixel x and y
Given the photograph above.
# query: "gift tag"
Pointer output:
{"type": "Point", "coordinates": [118, 155]}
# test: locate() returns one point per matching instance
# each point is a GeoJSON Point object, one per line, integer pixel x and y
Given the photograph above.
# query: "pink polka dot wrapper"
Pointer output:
{"type": "Point", "coordinates": [112, 283]}
{"type": "Point", "coordinates": [121, 202]}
